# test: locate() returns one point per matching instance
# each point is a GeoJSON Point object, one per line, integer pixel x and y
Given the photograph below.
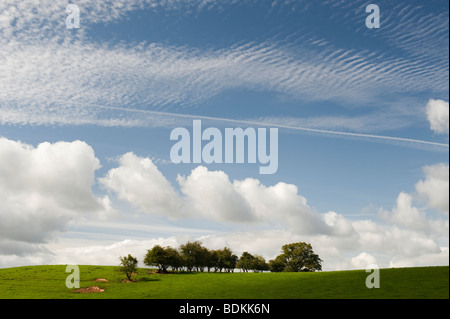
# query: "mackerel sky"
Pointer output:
{"type": "Point", "coordinates": [86, 115]}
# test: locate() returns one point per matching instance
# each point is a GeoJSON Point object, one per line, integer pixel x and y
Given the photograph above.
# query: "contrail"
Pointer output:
{"type": "Point", "coordinates": [291, 127]}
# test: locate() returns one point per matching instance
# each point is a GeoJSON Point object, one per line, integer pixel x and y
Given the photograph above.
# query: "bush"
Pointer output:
{"type": "Point", "coordinates": [129, 265]}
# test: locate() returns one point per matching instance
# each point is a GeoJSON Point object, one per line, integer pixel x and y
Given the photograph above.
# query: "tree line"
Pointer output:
{"type": "Point", "coordinates": [193, 256]}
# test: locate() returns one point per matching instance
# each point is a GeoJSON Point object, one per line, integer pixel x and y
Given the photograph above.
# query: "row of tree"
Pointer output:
{"type": "Point", "coordinates": [193, 256]}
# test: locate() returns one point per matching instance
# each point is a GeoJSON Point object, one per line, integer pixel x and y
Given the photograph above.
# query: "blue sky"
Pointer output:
{"type": "Point", "coordinates": [362, 117]}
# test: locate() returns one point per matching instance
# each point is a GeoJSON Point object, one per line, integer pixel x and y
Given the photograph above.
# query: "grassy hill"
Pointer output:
{"type": "Point", "coordinates": [48, 282]}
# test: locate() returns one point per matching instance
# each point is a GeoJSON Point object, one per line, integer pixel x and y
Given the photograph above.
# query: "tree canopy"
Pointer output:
{"type": "Point", "coordinates": [129, 265]}
{"type": "Point", "coordinates": [163, 258]}
{"type": "Point", "coordinates": [296, 257]}
{"type": "Point", "coordinates": [252, 262]}
{"type": "Point", "coordinates": [195, 256]}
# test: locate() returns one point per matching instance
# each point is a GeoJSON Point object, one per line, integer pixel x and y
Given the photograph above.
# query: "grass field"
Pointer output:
{"type": "Point", "coordinates": [48, 282]}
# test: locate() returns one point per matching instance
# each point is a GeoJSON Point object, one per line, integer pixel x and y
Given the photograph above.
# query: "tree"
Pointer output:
{"type": "Point", "coordinates": [252, 262]}
{"type": "Point", "coordinates": [129, 265]}
{"type": "Point", "coordinates": [176, 261]}
{"type": "Point", "coordinates": [212, 259]}
{"type": "Point", "coordinates": [195, 256]}
{"type": "Point", "coordinates": [225, 260]}
{"type": "Point", "coordinates": [245, 262]}
{"type": "Point", "coordinates": [277, 264]}
{"type": "Point", "coordinates": [297, 257]}
{"type": "Point", "coordinates": [203, 258]}
{"type": "Point", "coordinates": [229, 259]}
{"type": "Point", "coordinates": [259, 264]}
{"type": "Point", "coordinates": [163, 258]}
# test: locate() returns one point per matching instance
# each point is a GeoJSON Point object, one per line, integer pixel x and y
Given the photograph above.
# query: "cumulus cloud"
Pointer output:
{"type": "Point", "coordinates": [363, 260]}
{"type": "Point", "coordinates": [406, 215]}
{"type": "Point", "coordinates": [281, 204]}
{"type": "Point", "coordinates": [437, 113]}
{"type": "Point", "coordinates": [212, 195]}
{"type": "Point", "coordinates": [417, 223]}
{"type": "Point", "coordinates": [138, 181]}
{"type": "Point", "coordinates": [43, 189]}
{"type": "Point", "coordinates": [413, 236]}
{"type": "Point", "coordinates": [435, 187]}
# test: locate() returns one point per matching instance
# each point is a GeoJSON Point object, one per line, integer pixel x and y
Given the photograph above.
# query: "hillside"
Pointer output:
{"type": "Point", "coordinates": [49, 282]}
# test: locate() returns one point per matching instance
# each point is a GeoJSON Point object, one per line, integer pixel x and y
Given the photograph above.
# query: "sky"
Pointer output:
{"type": "Point", "coordinates": [86, 116]}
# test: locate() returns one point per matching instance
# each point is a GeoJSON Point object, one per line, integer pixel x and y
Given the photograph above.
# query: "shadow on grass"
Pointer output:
{"type": "Point", "coordinates": [147, 279]}
{"type": "Point", "coordinates": [171, 272]}
{"type": "Point", "coordinates": [185, 272]}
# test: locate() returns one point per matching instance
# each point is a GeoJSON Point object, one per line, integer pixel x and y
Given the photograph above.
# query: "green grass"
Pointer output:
{"type": "Point", "coordinates": [48, 282]}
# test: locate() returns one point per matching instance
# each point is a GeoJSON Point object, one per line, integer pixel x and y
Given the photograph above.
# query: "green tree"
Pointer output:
{"type": "Point", "coordinates": [277, 264]}
{"type": "Point", "coordinates": [245, 262]}
{"type": "Point", "coordinates": [129, 265]}
{"type": "Point", "coordinates": [212, 259]}
{"type": "Point", "coordinates": [259, 264]}
{"type": "Point", "coordinates": [226, 260]}
{"type": "Point", "coordinates": [176, 261]}
{"type": "Point", "coordinates": [163, 258]}
{"type": "Point", "coordinates": [231, 260]}
{"type": "Point", "coordinates": [196, 257]}
{"type": "Point", "coordinates": [298, 257]}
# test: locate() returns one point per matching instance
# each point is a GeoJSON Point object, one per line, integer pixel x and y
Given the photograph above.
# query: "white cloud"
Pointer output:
{"type": "Point", "coordinates": [337, 253]}
{"type": "Point", "coordinates": [339, 225]}
{"type": "Point", "coordinates": [138, 181]}
{"type": "Point", "coordinates": [212, 195]}
{"type": "Point", "coordinates": [398, 247]}
{"type": "Point", "coordinates": [412, 232]}
{"type": "Point", "coordinates": [281, 205]}
{"type": "Point", "coordinates": [363, 260]}
{"type": "Point", "coordinates": [406, 215]}
{"type": "Point", "coordinates": [435, 187]}
{"type": "Point", "coordinates": [439, 259]}
{"type": "Point", "coordinates": [437, 113]}
{"type": "Point", "coordinates": [94, 254]}
{"type": "Point", "coordinates": [53, 75]}
{"type": "Point", "coordinates": [109, 254]}
{"type": "Point", "coordinates": [43, 189]}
